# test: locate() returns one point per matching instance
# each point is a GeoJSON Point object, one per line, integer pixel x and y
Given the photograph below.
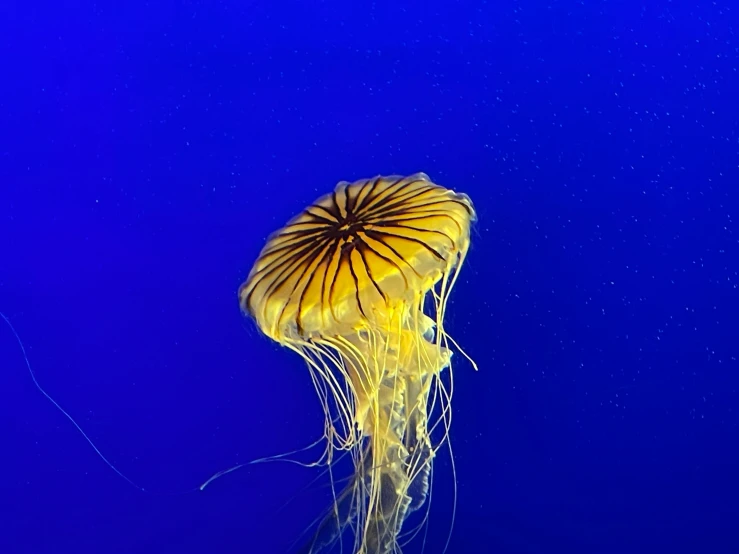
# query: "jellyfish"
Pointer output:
{"type": "Point", "coordinates": [357, 285]}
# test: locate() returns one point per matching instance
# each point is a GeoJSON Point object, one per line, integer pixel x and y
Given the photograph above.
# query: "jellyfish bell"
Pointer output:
{"type": "Point", "coordinates": [357, 284]}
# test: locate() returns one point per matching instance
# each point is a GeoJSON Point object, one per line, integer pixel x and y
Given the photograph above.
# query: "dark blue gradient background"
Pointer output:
{"type": "Point", "coordinates": [147, 149]}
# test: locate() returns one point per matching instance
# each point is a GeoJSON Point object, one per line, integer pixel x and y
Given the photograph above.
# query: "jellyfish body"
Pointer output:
{"type": "Point", "coordinates": [357, 285]}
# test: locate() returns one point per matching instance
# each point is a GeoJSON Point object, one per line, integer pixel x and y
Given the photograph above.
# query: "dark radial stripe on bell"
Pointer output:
{"type": "Point", "coordinates": [400, 220]}
{"type": "Point", "coordinates": [286, 254]}
{"type": "Point", "coordinates": [362, 247]}
{"type": "Point", "coordinates": [389, 189]}
{"type": "Point", "coordinates": [419, 230]}
{"type": "Point", "coordinates": [368, 186]}
{"type": "Point", "coordinates": [408, 207]}
{"type": "Point", "coordinates": [377, 236]}
{"type": "Point", "coordinates": [347, 258]}
{"type": "Point", "coordinates": [320, 259]}
{"type": "Point", "coordinates": [414, 240]}
{"type": "Point", "coordinates": [332, 215]}
{"type": "Point", "coordinates": [370, 194]}
{"type": "Point", "coordinates": [285, 266]}
{"type": "Point", "coordinates": [405, 197]}
{"type": "Point", "coordinates": [330, 253]}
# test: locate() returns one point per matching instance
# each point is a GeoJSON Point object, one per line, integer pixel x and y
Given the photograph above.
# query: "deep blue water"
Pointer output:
{"type": "Point", "coordinates": [146, 151]}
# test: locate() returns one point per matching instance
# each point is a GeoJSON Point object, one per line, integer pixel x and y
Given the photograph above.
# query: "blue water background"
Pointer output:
{"type": "Point", "coordinates": [146, 151]}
